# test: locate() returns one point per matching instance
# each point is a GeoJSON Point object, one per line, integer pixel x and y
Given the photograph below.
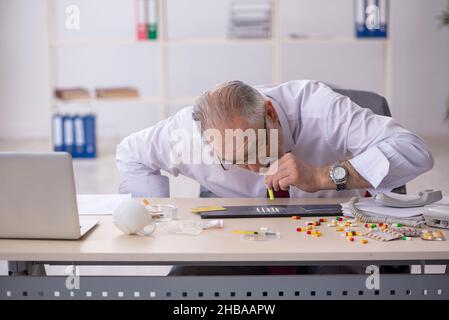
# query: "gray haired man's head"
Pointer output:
{"type": "Point", "coordinates": [238, 107]}
{"type": "Point", "coordinates": [227, 102]}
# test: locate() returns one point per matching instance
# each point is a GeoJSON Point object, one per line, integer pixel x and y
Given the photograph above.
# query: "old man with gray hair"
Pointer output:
{"type": "Point", "coordinates": [315, 143]}
{"type": "Point", "coordinates": [300, 138]}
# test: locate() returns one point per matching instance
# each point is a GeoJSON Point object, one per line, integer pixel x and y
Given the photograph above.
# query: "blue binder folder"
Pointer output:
{"type": "Point", "coordinates": [371, 18]}
{"type": "Point", "coordinates": [57, 133]}
{"type": "Point", "coordinates": [75, 134]}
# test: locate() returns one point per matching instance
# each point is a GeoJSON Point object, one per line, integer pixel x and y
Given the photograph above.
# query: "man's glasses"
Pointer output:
{"type": "Point", "coordinates": [227, 165]}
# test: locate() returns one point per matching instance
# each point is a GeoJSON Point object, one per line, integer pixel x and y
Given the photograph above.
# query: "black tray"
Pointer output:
{"type": "Point", "coordinates": [310, 210]}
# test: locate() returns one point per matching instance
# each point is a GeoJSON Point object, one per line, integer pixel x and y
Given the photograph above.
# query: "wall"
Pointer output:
{"type": "Point", "coordinates": [420, 67]}
{"type": "Point", "coordinates": [420, 70]}
{"type": "Point", "coordinates": [24, 97]}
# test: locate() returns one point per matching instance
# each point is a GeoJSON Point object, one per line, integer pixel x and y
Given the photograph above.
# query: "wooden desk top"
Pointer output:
{"type": "Point", "coordinates": [107, 243]}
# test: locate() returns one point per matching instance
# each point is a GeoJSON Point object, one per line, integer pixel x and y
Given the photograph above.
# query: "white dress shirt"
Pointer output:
{"type": "Point", "coordinates": [319, 126]}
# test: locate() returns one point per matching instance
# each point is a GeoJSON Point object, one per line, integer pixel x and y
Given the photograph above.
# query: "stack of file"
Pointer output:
{"type": "Point", "coordinates": [371, 18]}
{"type": "Point", "coordinates": [74, 134]}
{"type": "Point", "coordinates": [250, 19]}
{"type": "Point", "coordinates": [146, 19]}
{"type": "Point", "coordinates": [116, 93]}
{"type": "Point", "coordinates": [69, 94]}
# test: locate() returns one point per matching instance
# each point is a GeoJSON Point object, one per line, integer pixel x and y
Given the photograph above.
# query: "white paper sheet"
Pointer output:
{"type": "Point", "coordinates": [99, 204]}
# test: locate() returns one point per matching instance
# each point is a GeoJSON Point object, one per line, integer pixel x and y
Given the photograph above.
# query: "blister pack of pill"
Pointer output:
{"type": "Point", "coordinates": [383, 235]}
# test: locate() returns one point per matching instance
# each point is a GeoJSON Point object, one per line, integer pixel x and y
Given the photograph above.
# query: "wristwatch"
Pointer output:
{"type": "Point", "coordinates": [339, 175]}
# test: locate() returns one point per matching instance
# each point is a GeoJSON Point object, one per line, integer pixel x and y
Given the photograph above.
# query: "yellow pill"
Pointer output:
{"type": "Point", "coordinates": [364, 241]}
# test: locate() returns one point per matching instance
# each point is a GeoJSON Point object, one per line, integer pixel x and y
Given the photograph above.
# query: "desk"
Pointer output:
{"type": "Point", "coordinates": [107, 245]}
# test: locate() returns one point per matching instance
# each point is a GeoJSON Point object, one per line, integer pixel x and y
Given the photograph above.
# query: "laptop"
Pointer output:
{"type": "Point", "coordinates": [38, 197]}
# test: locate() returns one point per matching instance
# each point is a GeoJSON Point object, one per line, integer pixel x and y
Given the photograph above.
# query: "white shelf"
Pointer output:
{"type": "Point", "coordinates": [208, 41]}
{"type": "Point", "coordinates": [63, 42]}
{"type": "Point", "coordinates": [332, 39]}
{"type": "Point", "coordinates": [277, 43]}
{"type": "Point", "coordinates": [149, 99]}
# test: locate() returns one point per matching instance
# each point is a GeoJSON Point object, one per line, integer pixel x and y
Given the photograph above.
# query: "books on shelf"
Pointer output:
{"type": "Point", "coordinates": [146, 19]}
{"type": "Point", "coordinates": [250, 19]}
{"type": "Point", "coordinates": [116, 93]}
{"type": "Point", "coordinates": [74, 134]}
{"type": "Point", "coordinates": [371, 18]}
{"type": "Point", "coordinates": [69, 94]}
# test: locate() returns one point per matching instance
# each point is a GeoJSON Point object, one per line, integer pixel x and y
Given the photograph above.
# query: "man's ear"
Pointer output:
{"type": "Point", "coordinates": [270, 111]}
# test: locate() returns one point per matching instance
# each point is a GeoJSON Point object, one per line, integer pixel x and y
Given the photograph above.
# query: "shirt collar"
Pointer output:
{"type": "Point", "coordinates": [285, 126]}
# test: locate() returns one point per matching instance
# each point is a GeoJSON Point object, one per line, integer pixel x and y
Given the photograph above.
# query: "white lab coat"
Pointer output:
{"type": "Point", "coordinates": [320, 126]}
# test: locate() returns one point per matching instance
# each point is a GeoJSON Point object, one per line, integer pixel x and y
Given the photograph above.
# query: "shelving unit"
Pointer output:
{"type": "Point", "coordinates": [163, 99]}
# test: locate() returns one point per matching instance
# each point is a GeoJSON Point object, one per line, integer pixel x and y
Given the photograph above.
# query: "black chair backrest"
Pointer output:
{"type": "Point", "coordinates": [377, 104]}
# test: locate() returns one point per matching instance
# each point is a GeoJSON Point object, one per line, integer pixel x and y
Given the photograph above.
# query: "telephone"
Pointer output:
{"type": "Point", "coordinates": [423, 198]}
{"type": "Point", "coordinates": [437, 216]}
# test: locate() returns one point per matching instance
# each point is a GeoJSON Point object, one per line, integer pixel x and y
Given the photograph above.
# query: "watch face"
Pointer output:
{"type": "Point", "coordinates": [339, 173]}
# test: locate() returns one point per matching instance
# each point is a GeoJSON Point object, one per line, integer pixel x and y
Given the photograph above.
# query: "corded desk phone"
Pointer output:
{"type": "Point", "coordinates": [423, 198]}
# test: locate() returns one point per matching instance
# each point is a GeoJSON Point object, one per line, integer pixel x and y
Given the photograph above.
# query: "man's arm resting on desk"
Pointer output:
{"type": "Point", "coordinates": [384, 154]}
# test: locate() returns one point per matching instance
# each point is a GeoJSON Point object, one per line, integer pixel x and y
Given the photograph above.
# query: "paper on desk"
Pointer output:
{"type": "Point", "coordinates": [99, 204]}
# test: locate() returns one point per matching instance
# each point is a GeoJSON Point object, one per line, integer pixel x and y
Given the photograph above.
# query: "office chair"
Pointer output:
{"type": "Point", "coordinates": [377, 104]}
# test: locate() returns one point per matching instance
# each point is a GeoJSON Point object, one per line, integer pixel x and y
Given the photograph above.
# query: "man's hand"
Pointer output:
{"type": "Point", "coordinates": [291, 171]}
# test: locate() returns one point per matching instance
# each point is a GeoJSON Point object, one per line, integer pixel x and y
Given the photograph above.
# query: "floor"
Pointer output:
{"type": "Point", "coordinates": [100, 176]}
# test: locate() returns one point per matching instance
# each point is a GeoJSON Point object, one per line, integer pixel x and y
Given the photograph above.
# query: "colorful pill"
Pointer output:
{"type": "Point", "coordinates": [364, 241]}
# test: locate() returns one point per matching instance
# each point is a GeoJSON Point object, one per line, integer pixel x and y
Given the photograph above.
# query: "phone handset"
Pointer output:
{"type": "Point", "coordinates": [406, 201]}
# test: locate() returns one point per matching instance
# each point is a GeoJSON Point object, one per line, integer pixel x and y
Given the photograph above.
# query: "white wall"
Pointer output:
{"type": "Point", "coordinates": [24, 95]}
{"type": "Point", "coordinates": [420, 67]}
{"type": "Point", "coordinates": [420, 70]}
